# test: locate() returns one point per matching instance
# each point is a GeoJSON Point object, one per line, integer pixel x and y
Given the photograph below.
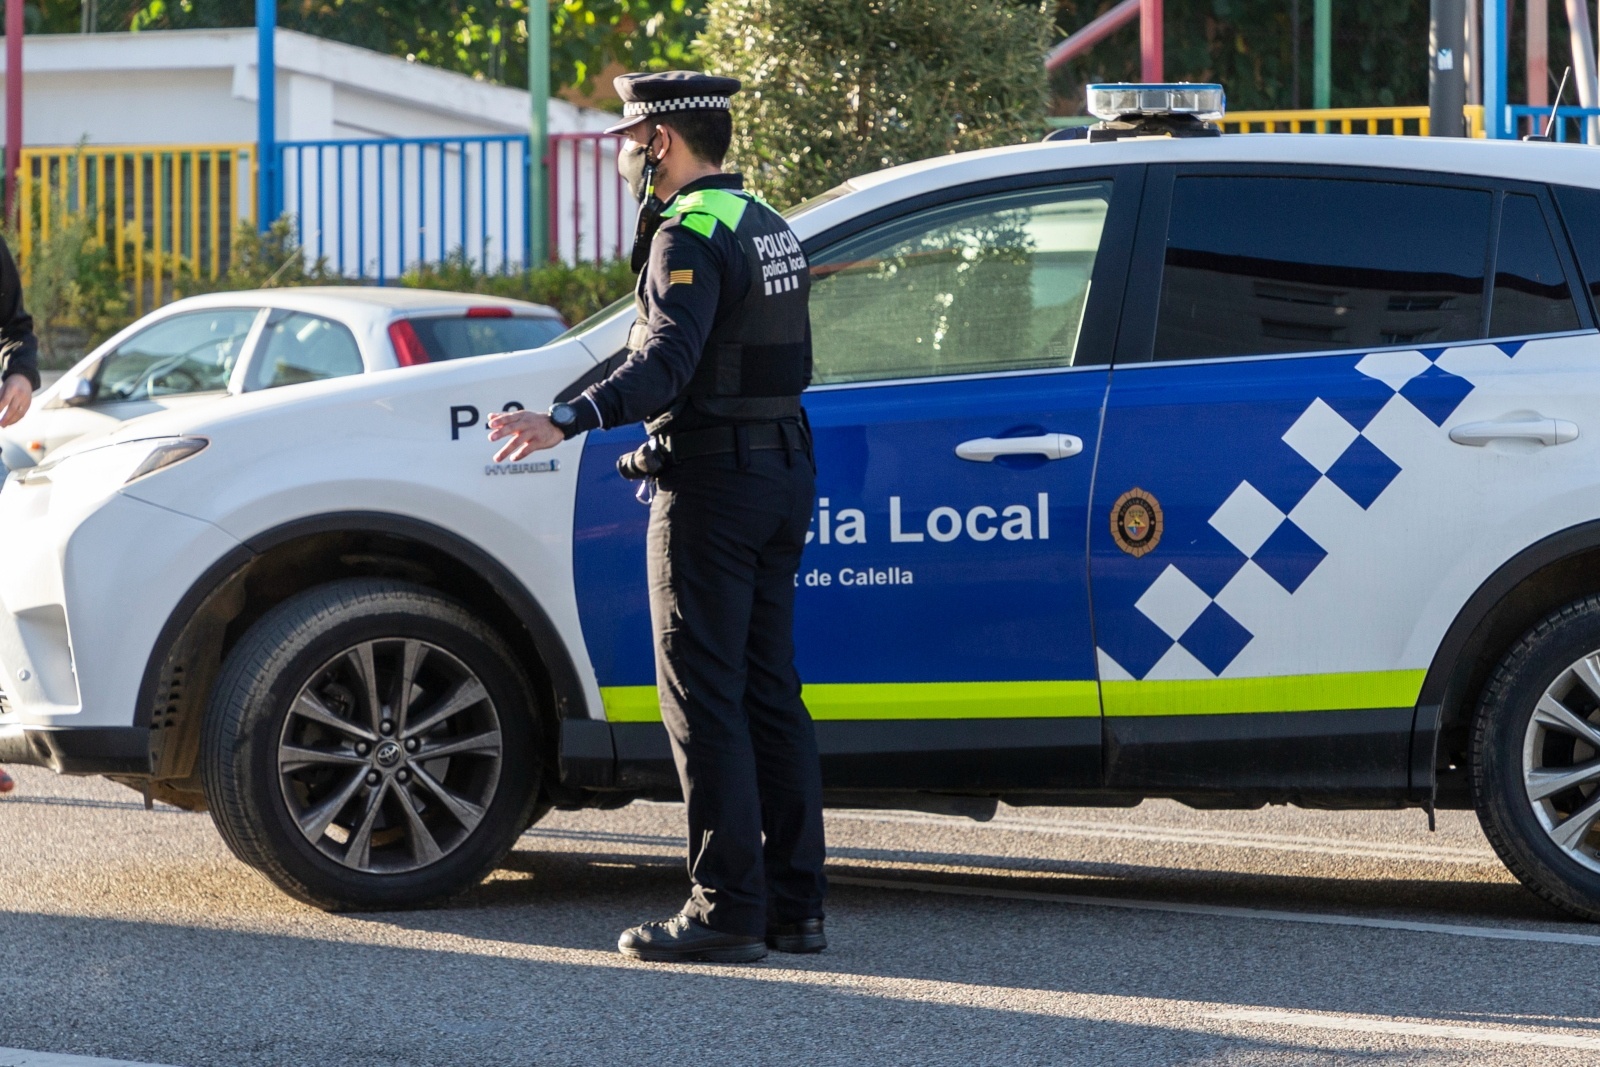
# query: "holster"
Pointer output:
{"type": "Point", "coordinates": [643, 462]}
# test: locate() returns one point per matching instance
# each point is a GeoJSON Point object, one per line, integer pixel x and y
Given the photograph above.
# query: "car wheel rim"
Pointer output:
{"type": "Point", "coordinates": [390, 756]}
{"type": "Point", "coordinates": [1561, 761]}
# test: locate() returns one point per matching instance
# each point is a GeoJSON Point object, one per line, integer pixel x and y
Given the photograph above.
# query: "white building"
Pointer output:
{"type": "Point", "coordinates": [200, 87]}
{"type": "Point", "coordinates": [196, 86]}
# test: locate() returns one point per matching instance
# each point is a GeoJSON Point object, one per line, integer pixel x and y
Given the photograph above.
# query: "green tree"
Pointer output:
{"type": "Point", "coordinates": [486, 39]}
{"type": "Point", "coordinates": [835, 88]}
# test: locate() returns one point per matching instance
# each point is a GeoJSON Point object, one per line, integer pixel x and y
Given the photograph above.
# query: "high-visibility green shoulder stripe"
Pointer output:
{"type": "Point", "coordinates": [704, 208]}
{"type": "Point", "coordinates": [903, 700]}
{"type": "Point", "coordinates": [704, 225]}
{"type": "Point", "coordinates": [1297, 692]}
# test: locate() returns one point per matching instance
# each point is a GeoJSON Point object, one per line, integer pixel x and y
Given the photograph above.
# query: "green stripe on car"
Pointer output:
{"type": "Point", "coordinates": [1073, 699]}
{"type": "Point", "coordinates": [903, 700]}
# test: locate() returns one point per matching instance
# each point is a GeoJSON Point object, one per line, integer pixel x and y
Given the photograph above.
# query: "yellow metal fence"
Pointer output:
{"type": "Point", "coordinates": [1400, 121]}
{"type": "Point", "coordinates": [164, 210]}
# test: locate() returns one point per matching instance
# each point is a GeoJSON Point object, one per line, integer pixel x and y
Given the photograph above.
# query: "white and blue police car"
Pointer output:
{"type": "Point", "coordinates": [1237, 470]}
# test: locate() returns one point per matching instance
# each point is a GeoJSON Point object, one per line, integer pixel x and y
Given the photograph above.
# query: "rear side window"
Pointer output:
{"type": "Point", "coordinates": [1580, 210]}
{"type": "Point", "coordinates": [457, 338]}
{"type": "Point", "coordinates": [297, 347]}
{"type": "Point", "coordinates": [1531, 294]}
{"type": "Point", "coordinates": [1259, 266]}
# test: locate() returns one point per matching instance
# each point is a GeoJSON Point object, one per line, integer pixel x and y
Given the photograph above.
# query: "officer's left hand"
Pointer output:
{"type": "Point", "coordinates": [15, 397]}
{"type": "Point", "coordinates": [530, 431]}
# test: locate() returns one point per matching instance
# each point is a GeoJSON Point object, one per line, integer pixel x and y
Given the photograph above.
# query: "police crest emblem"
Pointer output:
{"type": "Point", "coordinates": [1136, 522]}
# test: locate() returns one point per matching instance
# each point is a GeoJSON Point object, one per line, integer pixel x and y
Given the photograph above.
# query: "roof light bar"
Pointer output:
{"type": "Point", "coordinates": [1205, 101]}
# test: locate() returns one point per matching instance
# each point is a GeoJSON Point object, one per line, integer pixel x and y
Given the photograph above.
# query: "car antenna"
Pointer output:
{"type": "Point", "coordinates": [1550, 123]}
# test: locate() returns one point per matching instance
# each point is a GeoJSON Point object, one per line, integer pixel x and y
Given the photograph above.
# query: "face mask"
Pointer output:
{"type": "Point", "coordinates": [637, 168]}
{"type": "Point", "coordinates": [639, 171]}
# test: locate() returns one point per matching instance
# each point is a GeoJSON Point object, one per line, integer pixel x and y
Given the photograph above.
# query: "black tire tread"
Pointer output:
{"type": "Point", "coordinates": [273, 639]}
{"type": "Point", "coordinates": [1551, 889]}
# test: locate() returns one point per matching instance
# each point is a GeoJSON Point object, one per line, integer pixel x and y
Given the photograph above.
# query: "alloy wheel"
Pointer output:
{"type": "Point", "coordinates": [1561, 760]}
{"type": "Point", "coordinates": [390, 755]}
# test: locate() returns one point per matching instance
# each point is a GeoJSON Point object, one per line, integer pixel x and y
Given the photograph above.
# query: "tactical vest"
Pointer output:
{"type": "Point", "coordinates": [757, 358]}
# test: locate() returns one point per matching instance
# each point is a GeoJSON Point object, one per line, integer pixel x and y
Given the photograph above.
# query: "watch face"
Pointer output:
{"type": "Point", "coordinates": [563, 415]}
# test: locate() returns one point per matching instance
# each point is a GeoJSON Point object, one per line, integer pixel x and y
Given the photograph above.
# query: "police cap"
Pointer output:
{"type": "Point", "coordinates": [646, 96]}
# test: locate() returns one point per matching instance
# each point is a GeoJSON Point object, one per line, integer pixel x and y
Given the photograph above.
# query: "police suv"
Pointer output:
{"type": "Point", "coordinates": [1237, 470]}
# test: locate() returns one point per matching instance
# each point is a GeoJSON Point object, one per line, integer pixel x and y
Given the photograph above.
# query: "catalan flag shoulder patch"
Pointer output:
{"type": "Point", "coordinates": [681, 277]}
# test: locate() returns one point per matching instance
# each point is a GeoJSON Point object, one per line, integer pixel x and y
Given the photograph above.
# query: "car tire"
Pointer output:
{"type": "Point", "coordinates": [344, 795]}
{"type": "Point", "coordinates": [1536, 759]}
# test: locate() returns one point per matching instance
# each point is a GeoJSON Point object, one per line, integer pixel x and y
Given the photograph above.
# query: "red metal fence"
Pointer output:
{"type": "Point", "coordinates": [591, 210]}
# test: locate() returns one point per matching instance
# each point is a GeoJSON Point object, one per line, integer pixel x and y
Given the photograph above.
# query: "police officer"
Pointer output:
{"type": "Point", "coordinates": [718, 358]}
{"type": "Point", "coordinates": [19, 368]}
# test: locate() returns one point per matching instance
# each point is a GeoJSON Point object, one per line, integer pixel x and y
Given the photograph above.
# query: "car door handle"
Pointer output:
{"type": "Point", "coordinates": [1048, 445]}
{"type": "Point", "coordinates": [1529, 428]}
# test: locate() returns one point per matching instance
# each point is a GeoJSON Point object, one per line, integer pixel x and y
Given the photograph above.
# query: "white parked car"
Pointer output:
{"type": "Point", "coordinates": [1316, 420]}
{"type": "Point", "coordinates": [201, 348]}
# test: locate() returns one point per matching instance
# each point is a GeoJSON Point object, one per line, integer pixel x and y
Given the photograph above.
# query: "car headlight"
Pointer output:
{"type": "Point", "coordinates": [122, 462]}
{"type": "Point", "coordinates": [164, 455]}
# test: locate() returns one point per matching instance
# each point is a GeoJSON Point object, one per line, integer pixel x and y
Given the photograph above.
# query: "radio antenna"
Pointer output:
{"type": "Point", "coordinates": [1550, 123]}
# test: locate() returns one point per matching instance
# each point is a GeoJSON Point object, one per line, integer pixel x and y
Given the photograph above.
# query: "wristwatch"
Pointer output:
{"type": "Point", "coordinates": [563, 416]}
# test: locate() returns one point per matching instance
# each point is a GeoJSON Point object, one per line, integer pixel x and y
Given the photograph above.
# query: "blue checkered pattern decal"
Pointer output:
{"type": "Point", "coordinates": [1231, 450]}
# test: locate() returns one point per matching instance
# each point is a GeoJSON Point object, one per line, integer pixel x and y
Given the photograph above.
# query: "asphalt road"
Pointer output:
{"type": "Point", "coordinates": [1156, 935]}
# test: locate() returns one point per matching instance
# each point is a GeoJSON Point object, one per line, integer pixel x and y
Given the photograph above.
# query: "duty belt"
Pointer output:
{"type": "Point", "coordinates": [718, 440]}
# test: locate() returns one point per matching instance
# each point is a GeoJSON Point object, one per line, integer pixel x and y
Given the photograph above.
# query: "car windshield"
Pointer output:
{"type": "Point", "coordinates": [598, 318]}
{"type": "Point", "coordinates": [193, 352]}
{"type": "Point", "coordinates": [816, 201]}
{"type": "Point", "coordinates": [457, 338]}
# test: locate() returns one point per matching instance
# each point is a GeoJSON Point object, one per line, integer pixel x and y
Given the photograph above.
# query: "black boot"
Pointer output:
{"type": "Point", "coordinates": [803, 936]}
{"type": "Point", "coordinates": [681, 939]}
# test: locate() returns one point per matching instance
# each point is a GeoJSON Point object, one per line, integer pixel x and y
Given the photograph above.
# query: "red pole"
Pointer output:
{"type": "Point", "coordinates": [1150, 40]}
{"type": "Point", "coordinates": [13, 104]}
{"type": "Point", "coordinates": [1099, 29]}
{"type": "Point", "coordinates": [1538, 51]}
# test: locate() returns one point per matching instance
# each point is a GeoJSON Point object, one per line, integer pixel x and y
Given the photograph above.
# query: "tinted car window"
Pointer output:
{"type": "Point", "coordinates": [1580, 210]}
{"type": "Point", "coordinates": [189, 353]}
{"type": "Point", "coordinates": [1256, 266]}
{"type": "Point", "coordinates": [455, 338]}
{"type": "Point", "coordinates": [297, 347]}
{"type": "Point", "coordinates": [1530, 289]}
{"type": "Point", "coordinates": [986, 285]}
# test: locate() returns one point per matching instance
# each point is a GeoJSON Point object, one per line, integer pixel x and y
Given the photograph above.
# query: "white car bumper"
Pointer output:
{"type": "Point", "coordinates": [85, 589]}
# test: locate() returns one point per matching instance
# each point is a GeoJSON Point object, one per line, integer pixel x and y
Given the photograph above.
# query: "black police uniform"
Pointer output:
{"type": "Point", "coordinates": [718, 358]}
{"type": "Point", "coordinates": [19, 348]}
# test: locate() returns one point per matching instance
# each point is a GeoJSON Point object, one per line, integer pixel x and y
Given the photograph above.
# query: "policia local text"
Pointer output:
{"type": "Point", "coordinates": [1014, 522]}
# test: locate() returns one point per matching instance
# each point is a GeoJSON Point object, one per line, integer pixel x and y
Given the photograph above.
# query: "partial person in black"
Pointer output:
{"type": "Point", "coordinates": [19, 368]}
{"type": "Point", "coordinates": [718, 358]}
{"type": "Point", "coordinates": [19, 348]}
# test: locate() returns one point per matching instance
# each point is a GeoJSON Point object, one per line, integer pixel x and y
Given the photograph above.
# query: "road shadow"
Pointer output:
{"type": "Point", "coordinates": [1440, 899]}
{"type": "Point", "coordinates": [583, 900]}
{"type": "Point", "coordinates": [201, 997]}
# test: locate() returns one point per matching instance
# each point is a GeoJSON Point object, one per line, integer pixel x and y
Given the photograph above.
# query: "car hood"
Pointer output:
{"type": "Point", "coordinates": [532, 369]}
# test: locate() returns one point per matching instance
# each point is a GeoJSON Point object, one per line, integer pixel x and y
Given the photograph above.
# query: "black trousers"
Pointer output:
{"type": "Point", "coordinates": [724, 549]}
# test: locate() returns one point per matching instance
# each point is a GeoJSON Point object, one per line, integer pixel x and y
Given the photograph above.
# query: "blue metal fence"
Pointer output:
{"type": "Point", "coordinates": [1572, 124]}
{"type": "Point", "coordinates": [374, 208]}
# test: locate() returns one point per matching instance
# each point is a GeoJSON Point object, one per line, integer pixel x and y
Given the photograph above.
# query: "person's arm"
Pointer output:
{"type": "Point", "coordinates": [16, 325]}
{"type": "Point", "coordinates": [682, 285]}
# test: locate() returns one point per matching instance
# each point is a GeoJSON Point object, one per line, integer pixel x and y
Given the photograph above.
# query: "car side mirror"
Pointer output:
{"type": "Point", "coordinates": [77, 392]}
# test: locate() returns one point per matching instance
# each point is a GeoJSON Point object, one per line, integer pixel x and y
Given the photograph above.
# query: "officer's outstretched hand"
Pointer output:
{"type": "Point", "coordinates": [15, 397]}
{"type": "Point", "coordinates": [529, 431]}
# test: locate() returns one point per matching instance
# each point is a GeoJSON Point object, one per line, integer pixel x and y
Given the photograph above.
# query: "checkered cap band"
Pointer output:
{"type": "Point", "coordinates": [683, 103]}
